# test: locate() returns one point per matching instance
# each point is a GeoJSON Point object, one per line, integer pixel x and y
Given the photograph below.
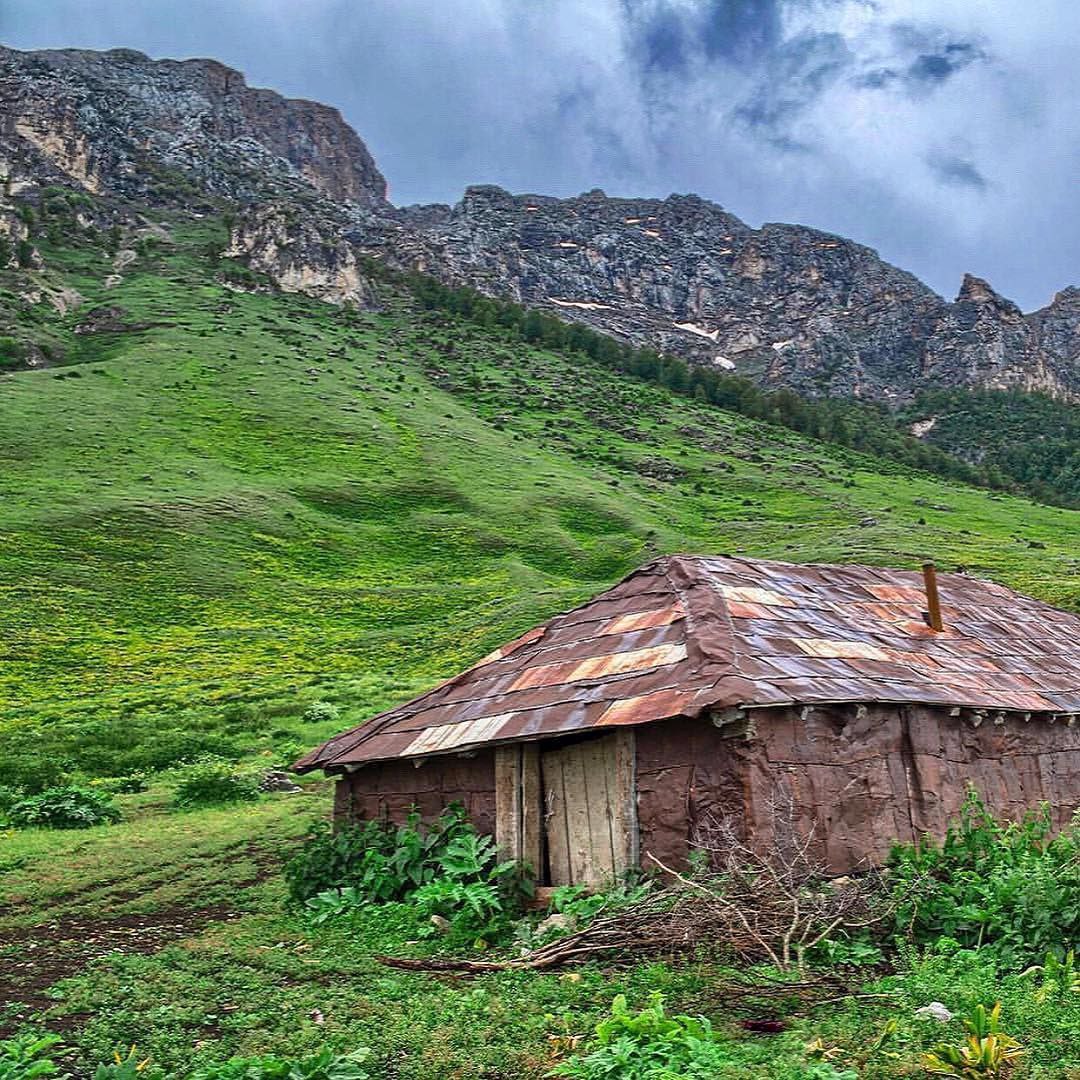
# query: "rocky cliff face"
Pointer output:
{"type": "Point", "coordinates": [784, 305]}
{"type": "Point", "coordinates": [118, 122]}
{"type": "Point", "coordinates": [299, 255]}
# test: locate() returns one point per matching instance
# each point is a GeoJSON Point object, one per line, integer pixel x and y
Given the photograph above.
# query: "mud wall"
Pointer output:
{"type": "Point", "coordinates": [860, 778]}
{"type": "Point", "coordinates": [387, 790]}
{"type": "Point", "coordinates": [871, 776]}
{"type": "Point", "coordinates": [686, 770]}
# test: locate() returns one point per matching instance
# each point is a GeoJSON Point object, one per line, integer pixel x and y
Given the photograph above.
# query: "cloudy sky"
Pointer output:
{"type": "Point", "coordinates": [944, 133]}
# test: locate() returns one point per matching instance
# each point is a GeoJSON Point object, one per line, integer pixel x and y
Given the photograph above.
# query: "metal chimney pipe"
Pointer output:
{"type": "Point", "coordinates": [933, 604]}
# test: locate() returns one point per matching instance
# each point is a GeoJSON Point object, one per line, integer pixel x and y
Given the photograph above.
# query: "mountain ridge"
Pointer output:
{"type": "Point", "coordinates": [787, 306]}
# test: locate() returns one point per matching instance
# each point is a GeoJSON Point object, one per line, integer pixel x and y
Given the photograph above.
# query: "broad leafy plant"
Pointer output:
{"type": "Point", "coordinates": [64, 808]}
{"type": "Point", "coordinates": [1011, 886]}
{"type": "Point", "coordinates": [648, 1045]}
{"type": "Point", "coordinates": [26, 1057]}
{"type": "Point", "coordinates": [322, 1066]}
{"type": "Point", "coordinates": [1059, 977]}
{"type": "Point", "coordinates": [446, 870]}
{"type": "Point", "coordinates": [128, 1066]}
{"type": "Point", "coordinates": [651, 1045]}
{"type": "Point", "coordinates": [380, 861]}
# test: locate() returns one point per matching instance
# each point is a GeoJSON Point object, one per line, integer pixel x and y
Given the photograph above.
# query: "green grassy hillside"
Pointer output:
{"type": "Point", "coordinates": [245, 501]}
{"type": "Point", "coordinates": [219, 506]}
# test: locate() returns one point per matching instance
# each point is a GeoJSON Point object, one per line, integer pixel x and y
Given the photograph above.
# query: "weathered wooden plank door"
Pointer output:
{"type": "Point", "coordinates": [589, 810]}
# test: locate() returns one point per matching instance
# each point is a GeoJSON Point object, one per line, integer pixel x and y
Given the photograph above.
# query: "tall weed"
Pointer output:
{"type": "Point", "coordinates": [1012, 887]}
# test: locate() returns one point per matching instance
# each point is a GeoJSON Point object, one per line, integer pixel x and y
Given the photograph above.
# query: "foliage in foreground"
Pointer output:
{"type": "Point", "coordinates": [325, 1065]}
{"type": "Point", "coordinates": [987, 1052]}
{"type": "Point", "coordinates": [651, 1045]}
{"type": "Point", "coordinates": [446, 870]}
{"type": "Point", "coordinates": [1011, 887]}
{"type": "Point", "coordinates": [26, 1058]}
{"type": "Point", "coordinates": [64, 808]}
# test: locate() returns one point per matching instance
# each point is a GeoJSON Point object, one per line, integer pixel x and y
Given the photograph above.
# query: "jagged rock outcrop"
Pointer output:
{"type": "Point", "coordinates": [15, 246]}
{"type": "Point", "coordinates": [983, 340]}
{"type": "Point", "coordinates": [292, 248]}
{"type": "Point", "coordinates": [118, 122]}
{"type": "Point", "coordinates": [784, 305]}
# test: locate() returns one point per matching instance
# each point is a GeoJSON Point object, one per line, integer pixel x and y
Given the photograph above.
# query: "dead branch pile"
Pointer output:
{"type": "Point", "coordinates": [773, 903]}
{"type": "Point", "coordinates": [777, 901]}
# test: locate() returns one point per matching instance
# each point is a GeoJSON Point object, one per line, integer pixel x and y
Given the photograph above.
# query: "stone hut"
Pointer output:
{"type": "Point", "coordinates": [700, 686]}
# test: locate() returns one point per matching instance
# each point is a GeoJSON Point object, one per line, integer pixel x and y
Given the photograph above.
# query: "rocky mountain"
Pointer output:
{"type": "Point", "coordinates": [784, 305]}
{"type": "Point", "coordinates": [120, 123]}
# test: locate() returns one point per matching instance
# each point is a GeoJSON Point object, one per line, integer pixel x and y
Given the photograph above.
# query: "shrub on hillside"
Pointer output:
{"type": "Point", "coordinates": [64, 808]}
{"type": "Point", "coordinates": [33, 773]}
{"type": "Point", "coordinates": [9, 796]}
{"type": "Point", "coordinates": [214, 783]}
{"type": "Point", "coordinates": [1010, 887]}
{"type": "Point", "coordinates": [320, 712]}
{"type": "Point", "coordinates": [11, 351]}
{"type": "Point", "coordinates": [109, 749]}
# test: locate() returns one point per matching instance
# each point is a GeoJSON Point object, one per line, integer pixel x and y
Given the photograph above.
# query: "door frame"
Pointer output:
{"type": "Point", "coordinates": [520, 825]}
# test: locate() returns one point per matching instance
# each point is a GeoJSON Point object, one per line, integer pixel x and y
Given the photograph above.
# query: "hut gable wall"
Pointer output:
{"type": "Point", "coordinates": [388, 789]}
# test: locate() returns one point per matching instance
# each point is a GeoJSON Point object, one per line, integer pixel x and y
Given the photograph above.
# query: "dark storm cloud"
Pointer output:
{"type": "Point", "coordinates": [669, 36]}
{"type": "Point", "coordinates": [923, 58]}
{"type": "Point", "coordinates": [934, 130]}
{"type": "Point", "coordinates": [798, 73]}
{"type": "Point", "coordinates": [956, 170]}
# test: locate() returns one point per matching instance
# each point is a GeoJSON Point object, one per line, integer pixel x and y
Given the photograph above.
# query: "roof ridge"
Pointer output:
{"type": "Point", "coordinates": [706, 611]}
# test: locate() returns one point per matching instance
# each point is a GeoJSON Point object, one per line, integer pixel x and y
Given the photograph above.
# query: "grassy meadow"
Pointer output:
{"type": "Point", "coordinates": [245, 502]}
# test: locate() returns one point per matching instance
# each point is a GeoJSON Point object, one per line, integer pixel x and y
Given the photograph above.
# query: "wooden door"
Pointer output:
{"type": "Point", "coordinates": [589, 810]}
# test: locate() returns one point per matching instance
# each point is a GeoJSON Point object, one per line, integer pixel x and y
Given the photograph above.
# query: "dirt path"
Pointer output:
{"type": "Point", "coordinates": [35, 959]}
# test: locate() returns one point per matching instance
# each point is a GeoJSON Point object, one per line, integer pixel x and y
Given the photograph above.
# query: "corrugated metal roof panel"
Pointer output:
{"type": "Point", "coordinates": [688, 633]}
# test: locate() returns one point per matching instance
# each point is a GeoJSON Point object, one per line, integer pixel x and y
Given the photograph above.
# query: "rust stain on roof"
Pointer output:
{"type": "Point", "coordinates": [840, 650]}
{"type": "Point", "coordinates": [754, 595]}
{"type": "Point", "coordinates": [686, 634]}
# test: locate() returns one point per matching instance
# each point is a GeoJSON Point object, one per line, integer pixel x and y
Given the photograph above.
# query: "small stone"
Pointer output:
{"type": "Point", "coordinates": [277, 780]}
{"type": "Point", "coordinates": [440, 924]}
{"type": "Point", "coordinates": [934, 1011]}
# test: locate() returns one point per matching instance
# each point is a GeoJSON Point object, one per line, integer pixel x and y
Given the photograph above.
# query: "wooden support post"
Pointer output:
{"type": "Point", "coordinates": [518, 817]}
{"type": "Point", "coordinates": [626, 799]}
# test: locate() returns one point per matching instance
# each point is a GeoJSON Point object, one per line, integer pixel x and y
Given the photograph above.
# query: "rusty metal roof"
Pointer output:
{"type": "Point", "coordinates": [685, 634]}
